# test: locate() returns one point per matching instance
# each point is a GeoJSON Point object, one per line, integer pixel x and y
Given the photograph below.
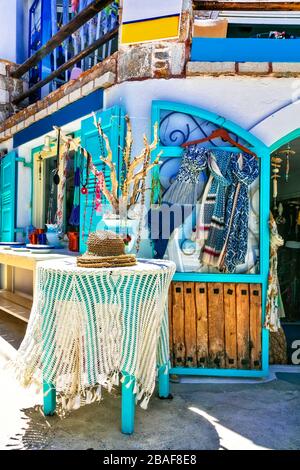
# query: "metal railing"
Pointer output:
{"type": "Point", "coordinates": [82, 39]}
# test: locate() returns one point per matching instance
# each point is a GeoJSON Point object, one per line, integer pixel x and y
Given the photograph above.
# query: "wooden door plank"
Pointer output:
{"type": "Point", "coordinates": [190, 324]}
{"type": "Point", "coordinates": [230, 326]}
{"type": "Point", "coordinates": [170, 314]}
{"type": "Point", "coordinates": [243, 325]}
{"type": "Point", "coordinates": [255, 325]}
{"type": "Point", "coordinates": [202, 323]}
{"type": "Point", "coordinates": [178, 324]}
{"type": "Point", "coordinates": [216, 333]}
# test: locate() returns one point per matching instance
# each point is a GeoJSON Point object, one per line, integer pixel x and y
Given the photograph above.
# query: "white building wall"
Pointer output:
{"type": "Point", "coordinates": [268, 107]}
{"type": "Point", "coordinates": [14, 30]}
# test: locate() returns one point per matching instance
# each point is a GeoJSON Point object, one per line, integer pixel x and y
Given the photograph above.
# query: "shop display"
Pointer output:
{"type": "Point", "coordinates": [208, 217]}
{"type": "Point", "coordinates": [122, 196]}
{"type": "Point", "coordinates": [187, 186]}
{"type": "Point", "coordinates": [74, 219]}
{"type": "Point", "coordinates": [288, 152]}
{"type": "Point", "coordinates": [273, 311]}
{"type": "Point", "coordinates": [276, 165]}
{"type": "Point", "coordinates": [125, 308]}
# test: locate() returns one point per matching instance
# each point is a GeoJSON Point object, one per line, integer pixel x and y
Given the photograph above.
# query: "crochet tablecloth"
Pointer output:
{"type": "Point", "coordinates": [90, 327]}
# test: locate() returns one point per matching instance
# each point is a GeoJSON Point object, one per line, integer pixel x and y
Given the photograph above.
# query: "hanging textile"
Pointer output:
{"type": "Point", "coordinates": [75, 213]}
{"type": "Point", "coordinates": [212, 213]}
{"type": "Point", "coordinates": [61, 193]}
{"type": "Point", "coordinates": [179, 201]}
{"type": "Point", "coordinates": [187, 187]}
{"type": "Point", "coordinates": [272, 321]}
{"type": "Point", "coordinates": [244, 170]}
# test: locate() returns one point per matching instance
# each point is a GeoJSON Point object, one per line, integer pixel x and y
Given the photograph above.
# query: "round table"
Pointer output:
{"type": "Point", "coordinates": [91, 327]}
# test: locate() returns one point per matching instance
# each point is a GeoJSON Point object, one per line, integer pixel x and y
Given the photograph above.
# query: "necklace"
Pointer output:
{"type": "Point", "coordinates": [142, 192]}
{"type": "Point", "coordinates": [84, 189]}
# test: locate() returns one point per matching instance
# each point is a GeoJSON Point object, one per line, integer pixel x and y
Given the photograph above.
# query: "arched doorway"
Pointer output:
{"type": "Point", "coordinates": [285, 206]}
{"type": "Point", "coordinates": [179, 123]}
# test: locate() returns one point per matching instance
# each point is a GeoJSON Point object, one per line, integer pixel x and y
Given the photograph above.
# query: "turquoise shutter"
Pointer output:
{"type": "Point", "coordinates": [113, 125]}
{"type": "Point", "coordinates": [8, 197]}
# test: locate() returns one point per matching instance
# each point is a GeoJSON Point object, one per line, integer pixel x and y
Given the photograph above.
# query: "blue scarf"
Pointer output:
{"type": "Point", "coordinates": [235, 242]}
{"type": "Point", "coordinates": [212, 213]}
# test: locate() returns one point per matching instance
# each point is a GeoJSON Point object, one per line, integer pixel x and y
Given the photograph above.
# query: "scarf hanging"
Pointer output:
{"type": "Point", "coordinates": [179, 201]}
{"type": "Point", "coordinates": [272, 321]}
{"type": "Point", "coordinates": [212, 212]}
{"type": "Point", "coordinates": [244, 170]}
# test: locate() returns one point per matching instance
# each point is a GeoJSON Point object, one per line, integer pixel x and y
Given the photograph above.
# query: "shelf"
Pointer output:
{"type": "Point", "coordinates": [15, 305]}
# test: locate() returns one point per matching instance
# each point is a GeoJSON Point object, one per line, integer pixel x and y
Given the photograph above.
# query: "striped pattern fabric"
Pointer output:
{"type": "Point", "coordinates": [154, 21]}
{"type": "Point", "coordinates": [212, 212]}
{"type": "Point", "coordinates": [90, 327]}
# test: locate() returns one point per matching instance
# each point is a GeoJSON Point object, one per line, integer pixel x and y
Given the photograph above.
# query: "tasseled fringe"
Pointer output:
{"type": "Point", "coordinates": [115, 378]}
{"type": "Point", "coordinates": [129, 383]}
{"type": "Point", "coordinates": [145, 402]}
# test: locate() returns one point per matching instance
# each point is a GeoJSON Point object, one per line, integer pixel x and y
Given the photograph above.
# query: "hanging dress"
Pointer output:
{"type": "Point", "coordinates": [187, 187]}
{"type": "Point", "coordinates": [179, 200]}
{"type": "Point", "coordinates": [244, 169]}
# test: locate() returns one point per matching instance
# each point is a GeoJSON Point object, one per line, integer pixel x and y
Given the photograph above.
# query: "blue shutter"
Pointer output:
{"type": "Point", "coordinates": [113, 125]}
{"type": "Point", "coordinates": [8, 197]}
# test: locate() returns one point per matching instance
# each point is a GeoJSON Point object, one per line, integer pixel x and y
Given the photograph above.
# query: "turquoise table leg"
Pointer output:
{"type": "Point", "coordinates": [49, 399]}
{"type": "Point", "coordinates": [128, 407]}
{"type": "Point", "coordinates": [163, 383]}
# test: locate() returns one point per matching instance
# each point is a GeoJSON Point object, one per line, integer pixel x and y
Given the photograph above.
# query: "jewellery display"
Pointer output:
{"type": "Point", "coordinates": [288, 152]}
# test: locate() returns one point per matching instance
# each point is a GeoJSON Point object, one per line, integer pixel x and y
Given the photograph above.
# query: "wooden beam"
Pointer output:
{"type": "Point", "coordinates": [107, 37]}
{"type": "Point", "coordinates": [246, 6]}
{"type": "Point", "coordinates": [68, 29]}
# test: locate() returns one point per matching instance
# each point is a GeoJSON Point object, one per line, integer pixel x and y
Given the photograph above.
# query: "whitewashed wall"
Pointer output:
{"type": "Point", "coordinates": [263, 105]}
{"type": "Point", "coordinates": [14, 30]}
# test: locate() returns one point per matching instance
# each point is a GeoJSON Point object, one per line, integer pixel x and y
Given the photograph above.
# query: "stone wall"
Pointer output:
{"type": "Point", "coordinates": [160, 59]}
{"type": "Point", "coordinates": [9, 89]}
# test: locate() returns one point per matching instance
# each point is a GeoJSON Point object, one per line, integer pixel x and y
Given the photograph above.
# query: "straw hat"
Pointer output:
{"type": "Point", "coordinates": [106, 249]}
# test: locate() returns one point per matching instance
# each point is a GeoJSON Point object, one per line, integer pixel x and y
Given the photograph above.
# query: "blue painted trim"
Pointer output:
{"type": "Point", "coordinates": [206, 277]}
{"type": "Point", "coordinates": [76, 110]}
{"type": "Point", "coordinates": [295, 134]}
{"type": "Point", "coordinates": [219, 372]}
{"type": "Point", "coordinates": [245, 50]}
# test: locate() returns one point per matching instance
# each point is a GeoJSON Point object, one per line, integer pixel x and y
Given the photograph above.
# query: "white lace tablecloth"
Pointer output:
{"type": "Point", "coordinates": [88, 327]}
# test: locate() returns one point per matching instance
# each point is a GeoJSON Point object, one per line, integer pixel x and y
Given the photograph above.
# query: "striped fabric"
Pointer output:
{"type": "Point", "coordinates": [154, 21]}
{"type": "Point", "coordinates": [88, 326]}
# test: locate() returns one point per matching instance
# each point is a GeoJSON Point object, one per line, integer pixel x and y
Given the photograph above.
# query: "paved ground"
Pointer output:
{"type": "Point", "coordinates": [201, 416]}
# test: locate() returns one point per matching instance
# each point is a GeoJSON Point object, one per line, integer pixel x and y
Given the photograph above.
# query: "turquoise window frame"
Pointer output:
{"type": "Point", "coordinates": [263, 152]}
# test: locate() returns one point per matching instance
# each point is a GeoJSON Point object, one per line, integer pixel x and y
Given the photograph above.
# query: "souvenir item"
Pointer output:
{"type": "Point", "coordinates": [56, 178]}
{"type": "Point", "coordinates": [168, 171]}
{"type": "Point", "coordinates": [244, 170]}
{"type": "Point", "coordinates": [74, 219]}
{"type": "Point", "coordinates": [73, 241]}
{"type": "Point", "coordinates": [212, 212]}
{"type": "Point", "coordinates": [52, 235]}
{"type": "Point", "coordinates": [188, 247]}
{"type": "Point", "coordinates": [61, 191]}
{"type": "Point", "coordinates": [188, 186]}
{"type": "Point", "coordinates": [105, 249]}
{"type": "Point", "coordinates": [276, 165]}
{"type": "Point", "coordinates": [272, 321]}
{"type": "Point", "coordinates": [288, 152]}
{"type": "Point", "coordinates": [280, 218]}
{"type": "Point", "coordinates": [84, 189]}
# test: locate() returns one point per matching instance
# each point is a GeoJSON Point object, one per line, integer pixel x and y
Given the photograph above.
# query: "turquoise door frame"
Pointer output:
{"type": "Point", "coordinates": [113, 125]}
{"type": "Point", "coordinates": [295, 134]}
{"type": "Point", "coordinates": [263, 152]}
{"type": "Point", "coordinates": [8, 196]}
